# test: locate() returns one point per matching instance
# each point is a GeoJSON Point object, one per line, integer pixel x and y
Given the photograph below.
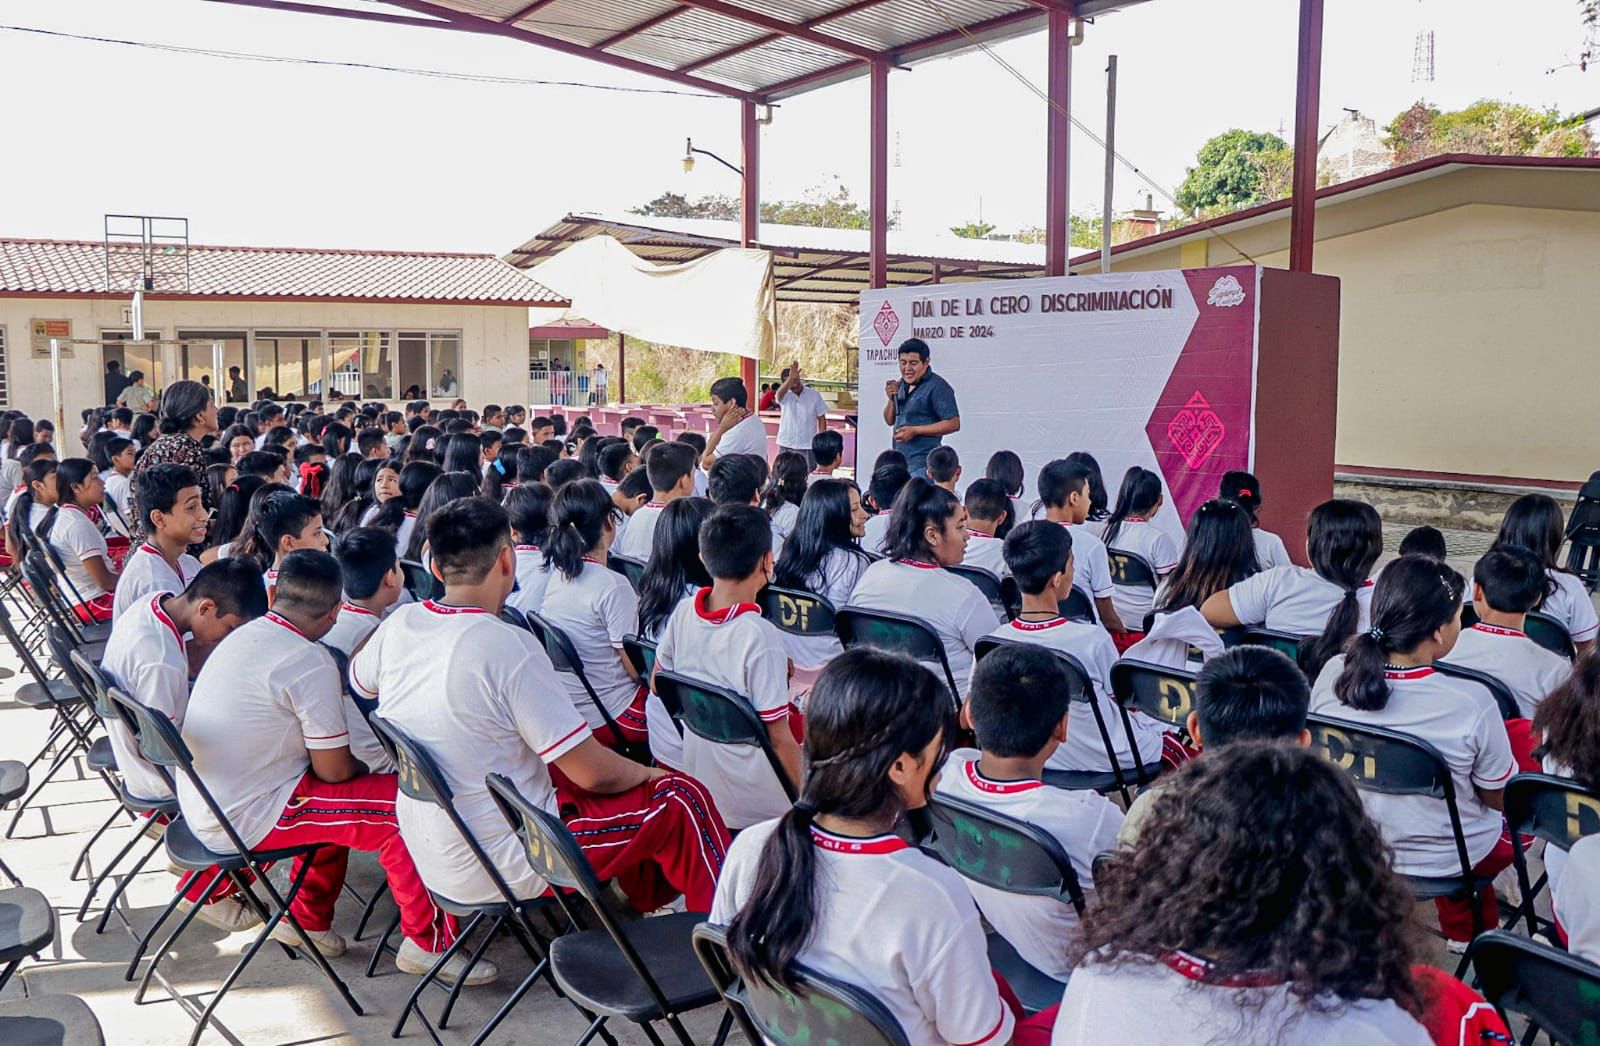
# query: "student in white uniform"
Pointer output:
{"type": "Point", "coordinates": [739, 430]}
{"type": "Point", "coordinates": [1039, 555]}
{"type": "Point", "coordinates": [823, 556]}
{"type": "Point", "coordinates": [1386, 679]}
{"type": "Point", "coordinates": [122, 454]}
{"type": "Point", "coordinates": [29, 504]}
{"type": "Point", "coordinates": [944, 468]}
{"type": "Point", "coordinates": [1577, 900]}
{"type": "Point", "coordinates": [285, 523]}
{"type": "Point", "coordinates": [785, 489]}
{"type": "Point", "coordinates": [1330, 600]}
{"type": "Point", "coordinates": [79, 542]}
{"type": "Point", "coordinates": [827, 454]}
{"type": "Point", "coordinates": [1129, 530]}
{"type": "Point", "coordinates": [1099, 502]}
{"type": "Point", "coordinates": [1018, 709]}
{"type": "Point", "coordinates": [719, 637]}
{"type": "Point", "coordinates": [175, 518]}
{"type": "Point", "coordinates": [616, 460]}
{"type": "Point", "coordinates": [266, 724]}
{"type": "Point", "coordinates": [415, 479]}
{"type": "Point", "coordinates": [1218, 551]}
{"type": "Point", "coordinates": [831, 886]}
{"type": "Point", "coordinates": [675, 570]}
{"type": "Point", "coordinates": [883, 489]}
{"type": "Point", "coordinates": [1064, 491]}
{"type": "Point", "coordinates": [670, 469]}
{"type": "Point", "coordinates": [988, 522]}
{"type": "Point", "coordinates": [1568, 721]}
{"type": "Point", "coordinates": [596, 607]}
{"type": "Point", "coordinates": [528, 505]}
{"type": "Point", "coordinates": [1005, 468]}
{"type": "Point", "coordinates": [1535, 522]}
{"type": "Point", "coordinates": [1244, 490]}
{"type": "Point", "coordinates": [1201, 930]}
{"type": "Point", "coordinates": [373, 585]}
{"type": "Point", "coordinates": [929, 534]}
{"type": "Point", "coordinates": [481, 695]}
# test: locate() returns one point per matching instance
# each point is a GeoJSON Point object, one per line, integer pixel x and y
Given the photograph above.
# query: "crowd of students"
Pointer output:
{"type": "Point", "coordinates": [1249, 887]}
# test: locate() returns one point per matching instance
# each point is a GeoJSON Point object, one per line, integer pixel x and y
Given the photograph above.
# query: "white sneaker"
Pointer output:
{"type": "Point", "coordinates": [412, 958]}
{"type": "Point", "coordinates": [329, 942]}
{"type": "Point", "coordinates": [230, 914]}
{"type": "Point", "coordinates": [1457, 947]}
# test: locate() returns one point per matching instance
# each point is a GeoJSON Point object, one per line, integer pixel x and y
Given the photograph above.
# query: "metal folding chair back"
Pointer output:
{"type": "Point", "coordinates": [1556, 991]}
{"type": "Point", "coordinates": [1285, 643]}
{"type": "Point", "coordinates": [1504, 699]}
{"type": "Point", "coordinates": [720, 716]}
{"type": "Point", "coordinates": [1130, 569]}
{"type": "Point", "coordinates": [420, 581]}
{"type": "Point", "coordinates": [641, 653]}
{"type": "Point", "coordinates": [1164, 694]}
{"type": "Point", "coordinates": [1001, 852]}
{"type": "Point", "coordinates": [900, 633]}
{"type": "Point", "coordinates": [986, 582]}
{"type": "Point", "coordinates": [1076, 607]}
{"type": "Point", "coordinates": [823, 1011]}
{"type": "Point", "coordinates": [1549, 633]}
{"type": "Point", "coordinates": [628, 567]}
{"type": "Point", "coordinates": [1556, 809]}
{"type": "Point", "coordinates": [797, 612]}
{"type": "Point", "coordinates": [564, 656]}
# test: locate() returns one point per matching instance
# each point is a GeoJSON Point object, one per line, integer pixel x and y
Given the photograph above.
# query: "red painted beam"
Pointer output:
{"type": "Point", "coordinates": [318, 9]}
{"type": "Point", "coordinates": [749, 211]}
{"type": "Point", "coordinates": [778, 25]}
{"type": "Point", "coordinates": [1058, 134]}
{"type": "Point", "coordinates": [1307, 95]}
{"type": "Point", "coordinates": [878, 195]}
{"type": "Point", "coordinates": [767, 38]}
{"type": "Point", "coordinates": [517, 16]}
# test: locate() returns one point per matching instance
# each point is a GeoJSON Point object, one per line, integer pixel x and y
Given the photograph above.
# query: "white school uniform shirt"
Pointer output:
{"type": "Point", "coordinates": [1157, 548]}
{"type": "Point", "coordinates": [75, 538]}
{"type": "Point", "coordinates": [666, 743]}
{"type": "Point", "coordinates": [798, 415]}
{"type": "Point", "coordinates": [145, 659]}
{"type": "Point", "coordinates": [402, 533]}
{"type": "Point", "coordinates": [532, 579]}
{"type": "Point", "coordinates": [1529, 670]}
{"type": "Point", "coordinates": [747, 437]}
{"type": "Point", "coordinates": [739, 650]}
{"type": "Point", "coordinates": [1293, 599]}
{"type": "Point", "coordinates": [1091, 646]}
{"type": "Point", "coordinates": [637, 541]}
{"type": "Point", "coordinates": [952, 606]}
{"type": "Point", "coordinates": [835, 581]}
{"type": "Point", "coordinates": [985, 551]}
{"type": "Point", "coordinates": [1462, 722]}
{"type": "Point", "coordinates": [783, 520]}
{"type": "Point", "coordinates": [877, 531]}
{"type": "Point", "coordinates": [596, 609]}
{"type": "Point", "coordinates": [479, 695]}
{"type": "Point", "coordinates": [1570, 604]}
{"type": "Point", "coordinates": [1041, 929]}
{"type": "Point", "coordinates": [117, 489]}
{"type": "Point", "coordinates": [897, 923]}
{"type": "Point", "coordinates": [1576, 899]}
{"type": "Point", "coordinates": [1155, 1003]}
{"type": "Point", "coordinates": [265, 699]}
{"type": "Point", "coordinates": [1091, 568]}
{"type": "Point", "coordinates": [1270, 550]}
{"type": "Point", "coordinates": [702, 482]}
{"type": "Point", "coordinates": [356, 623]}
{"type": "Point", "coordinates": [146, 571]}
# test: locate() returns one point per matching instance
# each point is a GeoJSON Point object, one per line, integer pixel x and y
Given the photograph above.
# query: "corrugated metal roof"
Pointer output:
{"type": "Point", "coordinates": [78, 267]}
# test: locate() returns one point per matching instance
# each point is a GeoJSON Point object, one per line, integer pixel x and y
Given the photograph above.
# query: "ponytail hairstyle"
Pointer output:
{"type": "Point", "coordinates": [501, 473]}
{"type": "Point", "coordinates": [359, 499]}
{"type": "Point", "coordinates": [1343, 539]}
{"type": "Point", "coordinates": [1097, 485]}
{"type": "Point", "coordinates": [528, 505]}
{"type": "Point", "coordinates": [787, 485]}
{"type": "Point", "coordinates": [70, 473]}
{"type": "Point", "coordinates": [1415, 597]}
{"type": "Point", "coordinates": [423, 438]}
{"type": "Point", "coordinates": [251, 543]}
{"type": "Point", "coordinates": [579, 516]}
{"type": "Point", "coordinates": [40, 471]}
{"type": "Point", "coordinates": [1534, 521]}
{"type": "Point", "coordinates": [1006, 467]}
{"type": "Point", "coordinates": [869, 708]}
{"type": "Point", "coordinates": [448, 487]}
{"type": "Point", "coordinates": [1243, 489]}
{"type": "Point", "coordinates": [182, 404]}
{"type": "Point", "coordinates": [920, 505]}
{"type": "Point", "coordinates": [1139, 496]}
{"type": "Point", "coordinates": [233, 509]}
{"type": "Point", "coordinates": [675, 563]}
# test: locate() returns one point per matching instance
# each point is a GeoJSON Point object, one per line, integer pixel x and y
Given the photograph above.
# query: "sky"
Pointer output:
{"type": "Point", "coordinates": [281, 154]}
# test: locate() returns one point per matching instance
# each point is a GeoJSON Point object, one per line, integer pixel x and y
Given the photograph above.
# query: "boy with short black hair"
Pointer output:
{"type": "Point", "coordinates": [174, 519]}
{"type": "Point", "coordinates": [373, 583]}
{"type": "Point", "coordinates": [629, 425]}
{"type": "Point", "coordinates": [1018, 708]}
{"type": "Point", "coordinates": [670, 468]}
{"type": "Point", "coordinates": [719, 637]}
{"type": "Point", "coordinates": [1424, 541]}
{"type": "Point", "coordinates": [372, 443]}
{"type": "Point", "coordinates": [735, 479]}
{"type": "Point", "coordinates": [883, 488]}
{"type": "Point", "coordinates": [698, 442]}
{"type": "Point", "coordinates": [643, 436]}
{"type": "Point", "coordinates": [616, 460]}
{"type": "Point", "coordinates": [827, 450]}
{"type": "Point", "coordinates": [988, 510]}
{"type": "Point", "coordinates": [542, 428]}
{"type": "Point", "coordinates": [267, 464]}
{"type": "Point", "coordinates": [123, 454]}
{"type": "Point", "coordinates": [288, 522]}
{"type": "Point", "coordinates": [944, 468]}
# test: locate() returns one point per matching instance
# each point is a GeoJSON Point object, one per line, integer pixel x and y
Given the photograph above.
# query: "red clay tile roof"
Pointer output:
{"type": "Point", "coordinates": [77, 267]}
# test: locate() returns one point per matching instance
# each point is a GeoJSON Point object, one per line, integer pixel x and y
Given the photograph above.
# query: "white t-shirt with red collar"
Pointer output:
{"type": "Point", "coordinates": [1156, 547]}
{"type": "Point", "coordinates": [739, 650]}
{"type": "Point", "coordinates": [1293, 599]}
{"type": "Point", "coordinates": [1041, 929]}
{"type": "Point", "coordinates": [1091, 646]}
{"type": "Point", "coordinates": [877, 532]}
{"type": "Point", "coordinates": [895, 922]}
{"type": "Point", "coordinates": [1461, 721]}
{"type": "Point", "coordinates": [1270, 550]}
{"type": "Point", "coordinates": [597, 609]}
{"type": "Point", "coordinates": [265, 699]}
{"type": "Point", "coordinates": [1570, 604]}
{"type": "Point", "coordinates": [637, 541]}
{"type": "Point", "coordinates": [834, 582]}
{"type": "Point", "coordinates": [146, 571]}
{"type": "Point", "coordinates": [355, 624]}
{"type": "Point", "coordinates": [402, 534]}
{"type": "Point", "coordinates": [480, 696]}
{"type": "Point", "coordinates": [1091, 568]}
{"type": "Point", "coordinates": [76, 539]}
{"type": "Point", "coordinates": [533, 577]}
{"type": "Point", "coordinates": [145, 659]}
{"type": "Point", "coordinates": [1576, 899]}
{"type": "Point", "coordinates": [986, 551]}
{"type": "Point", "coordinates": [952, 606]}
{"type": "Point", "coordinates": [1529, 670]}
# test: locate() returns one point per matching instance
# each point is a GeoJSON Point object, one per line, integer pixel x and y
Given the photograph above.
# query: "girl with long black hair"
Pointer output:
{"type": "Point", "coordinates": [448, 487]}
{"type": "Point", "coordinates": [1535, 522]}
{"type": "Point", "coordinates": [29, 505]}
{"type": "Point", "coordinates": [1218, 551]}
{"type": "Point", "coordinates": [1098, 500]}
{"type": "Point", "coordinates": [233, 513]}
{"type": "Point", "coordinates": [77, 540]}
{"type": "Point", "coordinates": [1005, 468]}
{"type": "Point", "coordinates": [1385, 678]}
{"type": "Point", "coordinates": [1244, 489]}
{"type": "Point", "coordinates": [1129, 529]}
{"type": "Point", "coordinates": [674, 569]}
{"type": "Point", "coordinates": [786, 489]}
{"type": "Point", "coordinates": [823, 555]}
{"type": "Point", "coordinates": [528, 505]}
{"type": "Point", "coordinates": [359, 500]}
{"type": "Point", "coordinates": [501, 473]}
{"type": "Point", "coordinates": [415, 479]}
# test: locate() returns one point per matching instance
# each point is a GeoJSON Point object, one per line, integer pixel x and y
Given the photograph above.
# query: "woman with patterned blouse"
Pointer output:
{"type": "Point", "coordinates": [188, 412]}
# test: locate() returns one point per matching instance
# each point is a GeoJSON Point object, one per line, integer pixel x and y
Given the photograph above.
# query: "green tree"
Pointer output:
{"type": "Point", "coordinates": [676, 205]}
{"type": "Point", "coordinates": [1488, 128]}
{"type": "Point", "coordinates": [973, 229]}
{"type": "Point", "coordinates": [1228, 171]}
{"type": "Point", "coordinates": [824, 206]}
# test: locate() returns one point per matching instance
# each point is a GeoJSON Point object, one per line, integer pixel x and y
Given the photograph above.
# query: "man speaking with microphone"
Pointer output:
{"type": "Point", "coordinates": [921, 406]}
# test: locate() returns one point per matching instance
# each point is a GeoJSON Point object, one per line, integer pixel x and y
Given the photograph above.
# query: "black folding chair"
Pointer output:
{"type": "Point", "coordinates": [823, 1011]}
{"type": "Point", "coordinates": [422, 780]}
{"type": "Point", "coordinates": [564, 656]}
{"type": "Point", "coordinates": [1393, 763]}
{"type": "Point", "coordinates": [1081, 692]}
{"type": "Point", "coordinates": [27, 924]}
{"type": "Point", "coordinates": [1556, 991]}
{"type": "Point", "coordinates": [1504, 699]}
{"type": "Point", "coordinates": [1076, 607]}
{"type": "Point", "coordinates": [1164, 694]}
{"type": "Point", "coordinates": [161, 745]}
{"type": "Point", "coordinates": [1550, 634]}
{"type": "Point", "coordinates": [1131, 570]}
{"type": "Point", "coordinates": [420, 581]}
{"type": "Point", "coordinates": [49, 1020]}
{"type": "Point", "coordinates": [1285, 643]}
{"type": "Point", "coordinates": [797, 612]}
{"type": "Point", "coordinates": [1004, 853]}
{"type": "Point", "coordinates": [1556, 809]}
{"type": "Point", "coordinates": [720, 716]}
{"type": "Point", "coordinates": [58, 609]}
{"type": "Point", "coordinates": [900, 633]}
{"type": "Point", "coordinates": [992, 587]}
{"type": "Point", "coordinates": [628, 567]}
{"type": "Point", "coordinates": [13, 785]}
{"type": "Point", "coordinates": [641, 653]}
{"type": "Point", "coordinates": [637, 971]}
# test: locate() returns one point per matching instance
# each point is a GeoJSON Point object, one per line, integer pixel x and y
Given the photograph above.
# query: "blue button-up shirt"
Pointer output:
{"type": "Point", "coordinates": [930, 400]}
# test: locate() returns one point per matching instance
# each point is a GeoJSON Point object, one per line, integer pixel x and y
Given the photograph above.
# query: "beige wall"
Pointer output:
{"type": "Point", "coordinates": [494, 340]}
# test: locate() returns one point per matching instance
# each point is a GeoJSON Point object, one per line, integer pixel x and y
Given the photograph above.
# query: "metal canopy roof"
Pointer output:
{"type": "Point", "coordinates": [809, 263]}
{"type": "Point", "coordinates": [761, 50]}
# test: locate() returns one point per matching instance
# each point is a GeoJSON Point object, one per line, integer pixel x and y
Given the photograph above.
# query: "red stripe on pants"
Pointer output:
{"type": "Point", "coordinates": [630, 721]}
{"type": "Point", "coordinates": [658, 840]}
{"type": "Point", "coordinates": [95, 610]}
{"type": "Point", "coordinates": [1455, 915]}
{"type": "Point", "coordinates": [357, 814]}
{"type": "Point", "coordinates": [1174, 753]}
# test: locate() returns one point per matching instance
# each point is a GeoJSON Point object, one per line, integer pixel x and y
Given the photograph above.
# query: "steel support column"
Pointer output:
{"type": "Point", "coordinates": [1308, 91]}
{"type": "Point", "coordinates": [750, 213]}
{"type": "Point", "coordinates": [878, 195]}
{"type": "Point", "coordinates": [1058, 129]}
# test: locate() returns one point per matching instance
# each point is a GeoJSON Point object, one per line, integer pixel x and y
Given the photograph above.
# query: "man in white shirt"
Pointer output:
{"type": "Point", "coordinates": [266, 724]}
{"type": "Point", "coordinates": [739, 430]}
{"type": "Point", "coordinates": [481, 695]}
{"type": "Point", "coordinates": [670, 468]}
{"type": "Point", "coordinates": [802, 413]}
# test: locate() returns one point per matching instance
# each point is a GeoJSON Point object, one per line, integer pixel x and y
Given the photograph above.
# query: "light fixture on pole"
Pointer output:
{"type": "Point", "coordinates": [688, 158]}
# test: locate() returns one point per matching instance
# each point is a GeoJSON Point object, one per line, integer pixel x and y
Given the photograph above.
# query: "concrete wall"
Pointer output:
{"type": "Point", "coordinates": [494, 340]}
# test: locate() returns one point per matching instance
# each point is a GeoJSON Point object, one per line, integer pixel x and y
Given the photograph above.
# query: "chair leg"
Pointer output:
{"type": "Point", "coordinates": [5, 869]}
{"type": "Point", "coordinates": [511, 1001]}
{"type": "Point", "coordinates": [149, 935]}
{"type": "Point", "coordinates": [83, 855]}
{"type": "Point", "coordinates": [651, 1034]}
{"type": "Point", "coordinates": [233, 975]}
{"type": "Point", "coordinates": [677, 1026]}
{"type": "Point", "coordinates": [383, 945]}
{"type": "Point", "coordinates": [116, 895]}
{"type": "Point", "coordinates": [472, 960]}
{"type": "Point", "coordinates": [724, 1028]}
{"type": "Point", "coordinates": [172, 938]}
{"type": "Point", "coordinates": [427, 978]}
{"type": "Point", "coordinates": [372, 904]}
{"type": "Point", "coordinates": [62, 758]}
{"type": "Point", "coordinates": [595, 1027]}
{"type": "Point", "coordinates": [11, 967]}
{"type": "Point", "coordinates": [306, 946]}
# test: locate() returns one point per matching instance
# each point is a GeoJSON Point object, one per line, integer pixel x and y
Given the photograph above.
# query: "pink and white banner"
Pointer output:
{"type": "Point", "coordinates": [1155, 369]}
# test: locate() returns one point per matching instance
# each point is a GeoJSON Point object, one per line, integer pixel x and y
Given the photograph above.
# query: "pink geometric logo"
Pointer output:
{"type": "Point", "coordinates": [1196, 431]}
{"type": "Point", "coordinates": [886, 323]}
